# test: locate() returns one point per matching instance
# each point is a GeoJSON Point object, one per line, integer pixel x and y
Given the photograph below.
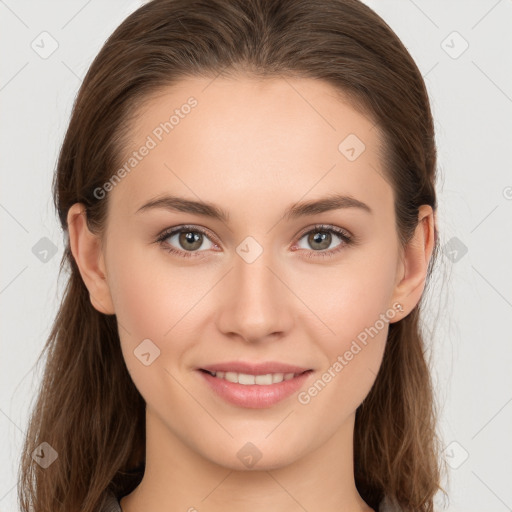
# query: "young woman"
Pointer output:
{"type": "Point", "coordinates": [248, 187]}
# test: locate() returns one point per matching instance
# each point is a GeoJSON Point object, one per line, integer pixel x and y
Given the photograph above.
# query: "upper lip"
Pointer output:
{"type": "Point", "coordinates": [254, 368]}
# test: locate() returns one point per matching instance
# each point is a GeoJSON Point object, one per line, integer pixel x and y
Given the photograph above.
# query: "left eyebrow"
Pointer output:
{"type": "Point", "coordinates": [325, 204]}
{"type": "Point", "coordinates": [297, 210]}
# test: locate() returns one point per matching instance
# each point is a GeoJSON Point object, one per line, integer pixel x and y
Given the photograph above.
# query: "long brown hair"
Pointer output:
{"type": "Point", "coordinates": [88, 409]}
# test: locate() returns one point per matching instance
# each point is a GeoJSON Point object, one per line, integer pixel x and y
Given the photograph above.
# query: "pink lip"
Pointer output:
{"type": "Point", "coordinates": [255, 396]}
{"type": "Point", "coordinates": [254, 368]}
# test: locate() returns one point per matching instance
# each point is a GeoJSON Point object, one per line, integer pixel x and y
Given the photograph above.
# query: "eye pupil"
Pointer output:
{"type": "Point", "coordinates": [319, 238]}
{"type": "Point", "coordinates": [190, 237]}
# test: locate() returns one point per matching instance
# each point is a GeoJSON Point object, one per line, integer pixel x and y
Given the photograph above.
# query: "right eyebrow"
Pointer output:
{"type": "Point", "coordinates": [180, 204]}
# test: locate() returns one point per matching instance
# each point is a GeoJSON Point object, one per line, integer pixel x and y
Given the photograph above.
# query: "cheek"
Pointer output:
{"type": "Point", "coordinates": [347, 298]}
{"type": "Point", "coordinates": [352, 355]}
{"type": "Point", "coordinates": [353, 306]}
{"type": "Point", "coordinates": [155, 298]}
{"type": "Point", "coordinates": [147, 300]}
{"type": "Point", "coordinates": [149, 303]}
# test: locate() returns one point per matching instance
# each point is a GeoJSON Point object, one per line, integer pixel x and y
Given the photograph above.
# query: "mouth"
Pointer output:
{"type": "Point", "coordinates": [254, 386]}
{"type": "Point", "coordinates": [248, 379]}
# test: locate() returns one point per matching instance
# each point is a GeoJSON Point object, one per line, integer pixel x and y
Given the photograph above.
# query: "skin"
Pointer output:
{"type": "Point", "coordinates": [253, 148]}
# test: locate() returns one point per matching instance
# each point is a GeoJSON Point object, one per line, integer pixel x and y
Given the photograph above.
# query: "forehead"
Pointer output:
{"type": "Point", "coordinates": [269, 140]}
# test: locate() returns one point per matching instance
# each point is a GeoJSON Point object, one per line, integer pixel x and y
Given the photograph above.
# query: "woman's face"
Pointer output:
{"type": "Point", "coordinates": [256, 286]}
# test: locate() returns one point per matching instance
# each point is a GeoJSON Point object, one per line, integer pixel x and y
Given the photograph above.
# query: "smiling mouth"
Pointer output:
{"type": "Point", "coordinates": [257, 380]}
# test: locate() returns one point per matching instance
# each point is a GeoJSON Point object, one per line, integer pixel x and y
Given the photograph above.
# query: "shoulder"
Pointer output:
{"type": "Point", "coordinates": [110, 503]}
{"type": "Point", "coordinates": [387, 505]}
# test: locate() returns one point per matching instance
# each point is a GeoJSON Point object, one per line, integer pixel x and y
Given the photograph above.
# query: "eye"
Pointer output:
{"type": "Point", "coordinates": [321, 238]}
{"type": "Point", "coordinates": [189, 239]}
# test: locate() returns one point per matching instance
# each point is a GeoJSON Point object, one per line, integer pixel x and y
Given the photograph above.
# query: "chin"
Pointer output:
{"type": "Point", "coordinates": [255, 456]}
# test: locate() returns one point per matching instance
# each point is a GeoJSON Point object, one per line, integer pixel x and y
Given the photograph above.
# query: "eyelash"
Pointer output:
{"type": "Point", "coordinates": [345, 237]}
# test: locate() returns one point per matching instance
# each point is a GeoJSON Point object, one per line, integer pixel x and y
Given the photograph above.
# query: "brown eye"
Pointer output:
{"type": "Point", "coordinates": [318, 242]}
{"type": "Point", "coordinates": [185, 240]}
{"type": "Point", "coordinates": [190, 240]}
{"type": "Point", "coordinates": [319, 239]}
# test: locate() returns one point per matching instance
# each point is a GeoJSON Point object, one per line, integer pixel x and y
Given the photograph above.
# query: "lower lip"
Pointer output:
{"type": "Point", "coordinates": [255, 396]}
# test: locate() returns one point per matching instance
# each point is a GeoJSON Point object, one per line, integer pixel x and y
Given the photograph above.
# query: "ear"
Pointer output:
{"type": "Point", "coordinates": [88, 254]}
{"type": "Point", "coordinates": [414, 262]}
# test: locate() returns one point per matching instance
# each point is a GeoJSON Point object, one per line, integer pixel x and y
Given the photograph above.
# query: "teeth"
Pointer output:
{"type": "Point", "coordinates": [263, 380]}
{"type": "Point", "coordinates": [247, 379]}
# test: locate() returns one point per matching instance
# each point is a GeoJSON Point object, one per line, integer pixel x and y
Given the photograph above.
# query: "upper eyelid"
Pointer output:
{"type": "Point", "coordinates": [166, 233]}
{"type": "Point", "coordinates": [326, 227]}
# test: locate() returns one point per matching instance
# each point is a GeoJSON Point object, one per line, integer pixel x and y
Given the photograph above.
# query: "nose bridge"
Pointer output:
{"type": "Point", "coordinates": [253, 257]}
{"type": "Point", "coordinates": [255, 280]}
{"type": "Point", "coordinates": [256, 306]}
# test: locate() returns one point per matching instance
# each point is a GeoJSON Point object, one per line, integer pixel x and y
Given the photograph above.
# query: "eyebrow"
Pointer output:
{"type": "Point", "coordinates": [297, 210]}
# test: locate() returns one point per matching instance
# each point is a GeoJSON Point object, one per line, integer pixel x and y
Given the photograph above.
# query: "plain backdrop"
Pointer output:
{"type": "Point", "coordinates": [464, 51]}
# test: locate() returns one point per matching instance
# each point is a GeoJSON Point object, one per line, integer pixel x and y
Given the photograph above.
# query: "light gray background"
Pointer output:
{"type": "Point", "coordinates": [471, 96]}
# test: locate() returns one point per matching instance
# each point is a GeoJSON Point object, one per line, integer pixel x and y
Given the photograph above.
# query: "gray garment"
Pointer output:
{"type": "Point", "coordinates": [387, 506]}
{"type": "Point", "coordinates": [111, 504]}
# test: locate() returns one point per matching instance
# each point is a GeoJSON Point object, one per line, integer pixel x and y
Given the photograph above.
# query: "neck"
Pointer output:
{"type": "Point", "coordinates": [178, 478]}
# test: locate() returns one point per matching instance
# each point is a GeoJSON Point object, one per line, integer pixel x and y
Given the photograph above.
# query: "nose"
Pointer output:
{"type": "Point", "coordinates": [255, 304]}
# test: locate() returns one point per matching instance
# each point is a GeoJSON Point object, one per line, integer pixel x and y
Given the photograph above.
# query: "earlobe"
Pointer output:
{"type": "Point", "coordinates": [86, 249]}
{"type": "Point", "coordinates": [416, 258]}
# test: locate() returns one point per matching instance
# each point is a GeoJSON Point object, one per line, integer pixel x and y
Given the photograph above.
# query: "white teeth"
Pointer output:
{"type": "Point", "coordinates": [231, 376]}
{"type": "Point", "coordinates": [263, 380]}
{"type": "Point", "coordinates": [247, 379]}
{"type": "Point", "coordinates": [244, 378]}
{"type": "Point", "coordinates": [277, 377]}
